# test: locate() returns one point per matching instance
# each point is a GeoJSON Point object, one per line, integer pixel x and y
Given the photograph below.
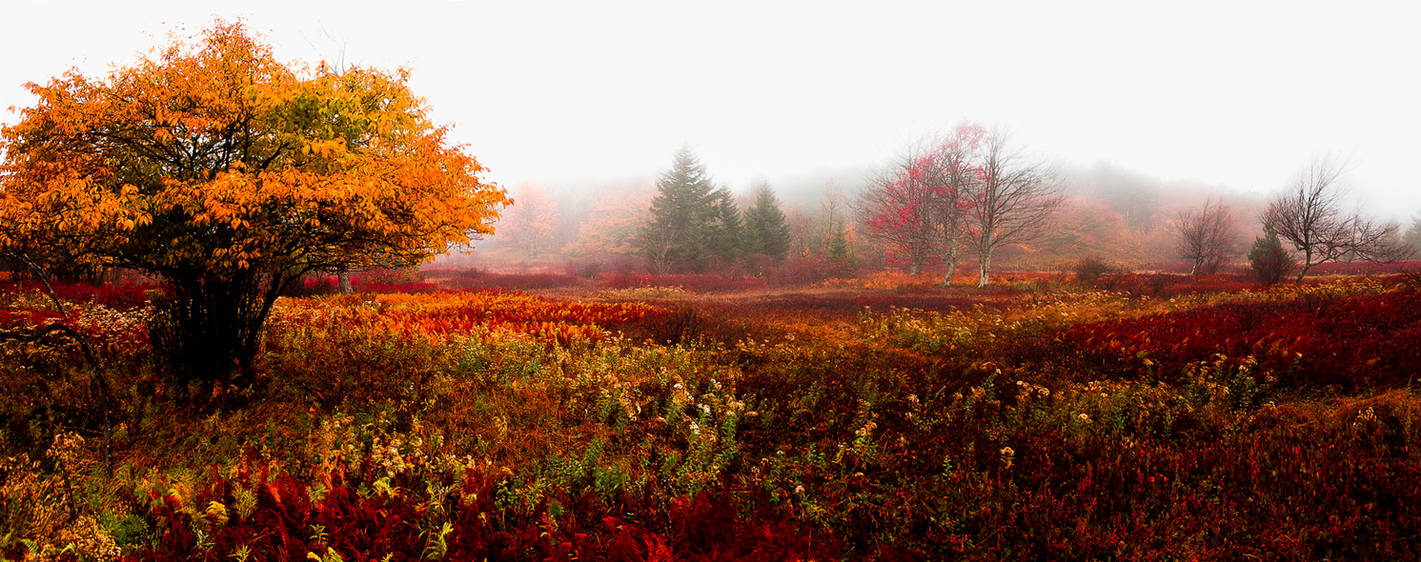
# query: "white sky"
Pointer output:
{"type": "Point", "coordinates": [1241, 94]}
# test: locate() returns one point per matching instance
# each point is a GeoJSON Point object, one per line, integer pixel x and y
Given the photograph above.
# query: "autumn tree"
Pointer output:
{"type": "Point", "coordinates": [529, 224]}
{"type": "Point", "coordinates": [615, 224]}
{"type": "Point", "coordinates": [922, 205]}
{"type": "Point", "coordinates": [897, 210]}
{"type": "Point", "coordinates": [766, 230]}
{"type": "Point", "coordinates": [955, 169]}
{"type": "Point", "coordinates": [678, 235]}
{"type": "Point", "coordinates": [227, 174]}
{"type": "Point", "coordinates": [1308, 217]}
{"type": "Point", "coordinates": [1206, 236]}
{"type": "Point", "coordinates": [1011, 204]}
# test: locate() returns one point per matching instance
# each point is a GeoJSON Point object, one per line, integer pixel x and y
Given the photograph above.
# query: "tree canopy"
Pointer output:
{"type": "Point", "coordinates": [227, 174]}
{"type": "Point", "coordinates": [216, 158]}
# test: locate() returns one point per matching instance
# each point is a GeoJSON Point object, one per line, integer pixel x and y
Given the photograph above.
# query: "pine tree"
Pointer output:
{"type": "Point", "coordinates": [727, 234]}
{"type": "Point", "coordinates": [1270, 261]}
{"type": "Point", "coordinates": [678, 236]}
{"type": "Point", "coordinates": [835, 233]}
{"type": "Point", "coordinates": [766, 230]}
{"type": "Point", "coordinates": [838, 251]}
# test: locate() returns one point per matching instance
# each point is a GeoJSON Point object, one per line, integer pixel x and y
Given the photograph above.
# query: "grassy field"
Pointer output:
{"type": "Point", "coordinates": [884, 417]}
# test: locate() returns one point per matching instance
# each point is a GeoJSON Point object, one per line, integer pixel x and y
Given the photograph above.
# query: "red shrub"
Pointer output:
{"type": "Point", "coordinates": [329, 285]}
{"type": "Point", "coordinates": [1167, 284]}
{"type": "Point", "coordinates": [361, 523]}
{"type": "Point", "coordinates": [121, 296]}
{"type": "Point", "coordinates": [1364, 268]}
{"type": "Point", "coordinates": [475, 279]}
{"type": "Point", "coordinates": [1353, 341]}
{"type": "Point", "coordinates": [373, 287]}
{"type": "Point", "coordinates": [805, 270]}
{"type": "Point", "coordinates": [312, 286]}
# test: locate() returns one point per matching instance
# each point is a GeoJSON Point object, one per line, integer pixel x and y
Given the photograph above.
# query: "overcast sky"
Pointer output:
{"type": "Point", "coordinates": [1237, 94]}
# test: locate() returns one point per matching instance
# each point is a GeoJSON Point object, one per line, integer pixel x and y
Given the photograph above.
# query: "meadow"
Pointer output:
{"type": "Point", "coordinates": [877, 417]}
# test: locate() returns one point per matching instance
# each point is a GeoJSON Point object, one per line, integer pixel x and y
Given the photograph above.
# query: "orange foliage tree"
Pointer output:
{"type": "Point", "coordinates": [614, 225]}
{"type": "Point", "coordinates": [528, 227]}
{"type": "Point", "coordinates": [228, 174]}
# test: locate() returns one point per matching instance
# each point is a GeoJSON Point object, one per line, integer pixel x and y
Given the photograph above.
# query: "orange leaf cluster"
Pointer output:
{"type": "Point", "coordinates": [215, 157]}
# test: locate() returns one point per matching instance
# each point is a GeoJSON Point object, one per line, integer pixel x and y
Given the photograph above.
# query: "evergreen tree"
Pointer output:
{"type": "Point", "coordinates": [766, 230]}
{"type": "Point", "coordinates": [1270, 261]}
{"type": "Point", "coordinates": [727, 233]}
{"type": "Point", "coordinates": [678, 237]}
{"type": "Point", "coordinates": [838, 251]}
{"type": "Point", "coordinates": [836, 235]}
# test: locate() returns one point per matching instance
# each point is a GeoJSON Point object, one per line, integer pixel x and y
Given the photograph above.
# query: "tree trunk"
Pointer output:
{"type": "Point", "coordinates": [343, 281]}
{"type": "Point", "coordinates": [206, 331]}
{"type": "Point", "coordinates": [951, 261]}
{"type": "Point", "coordinates": [985, 267]}
{"type": "Point", "coordinates": [1307, 264]}
{"type": "Point", "coordinates": [985, 242]}
{"type": "Point", "coordinates": [915, 267]}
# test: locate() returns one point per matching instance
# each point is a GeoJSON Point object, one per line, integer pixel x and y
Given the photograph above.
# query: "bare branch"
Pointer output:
{"type": "Point", "coordinates": [1207, 237]}
{"type": "Point", "coordinates": [1308, 216]}
{"type": "Point", "coordinates": [1013, 204]}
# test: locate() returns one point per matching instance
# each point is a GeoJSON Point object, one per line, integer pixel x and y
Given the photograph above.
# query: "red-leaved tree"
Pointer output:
{"type": "Point", "coordinates": [956, 163]}
{"type": "Point", "coordinates": [921, 205]}
{"type": "Point", "coordinates": [897, 209]}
